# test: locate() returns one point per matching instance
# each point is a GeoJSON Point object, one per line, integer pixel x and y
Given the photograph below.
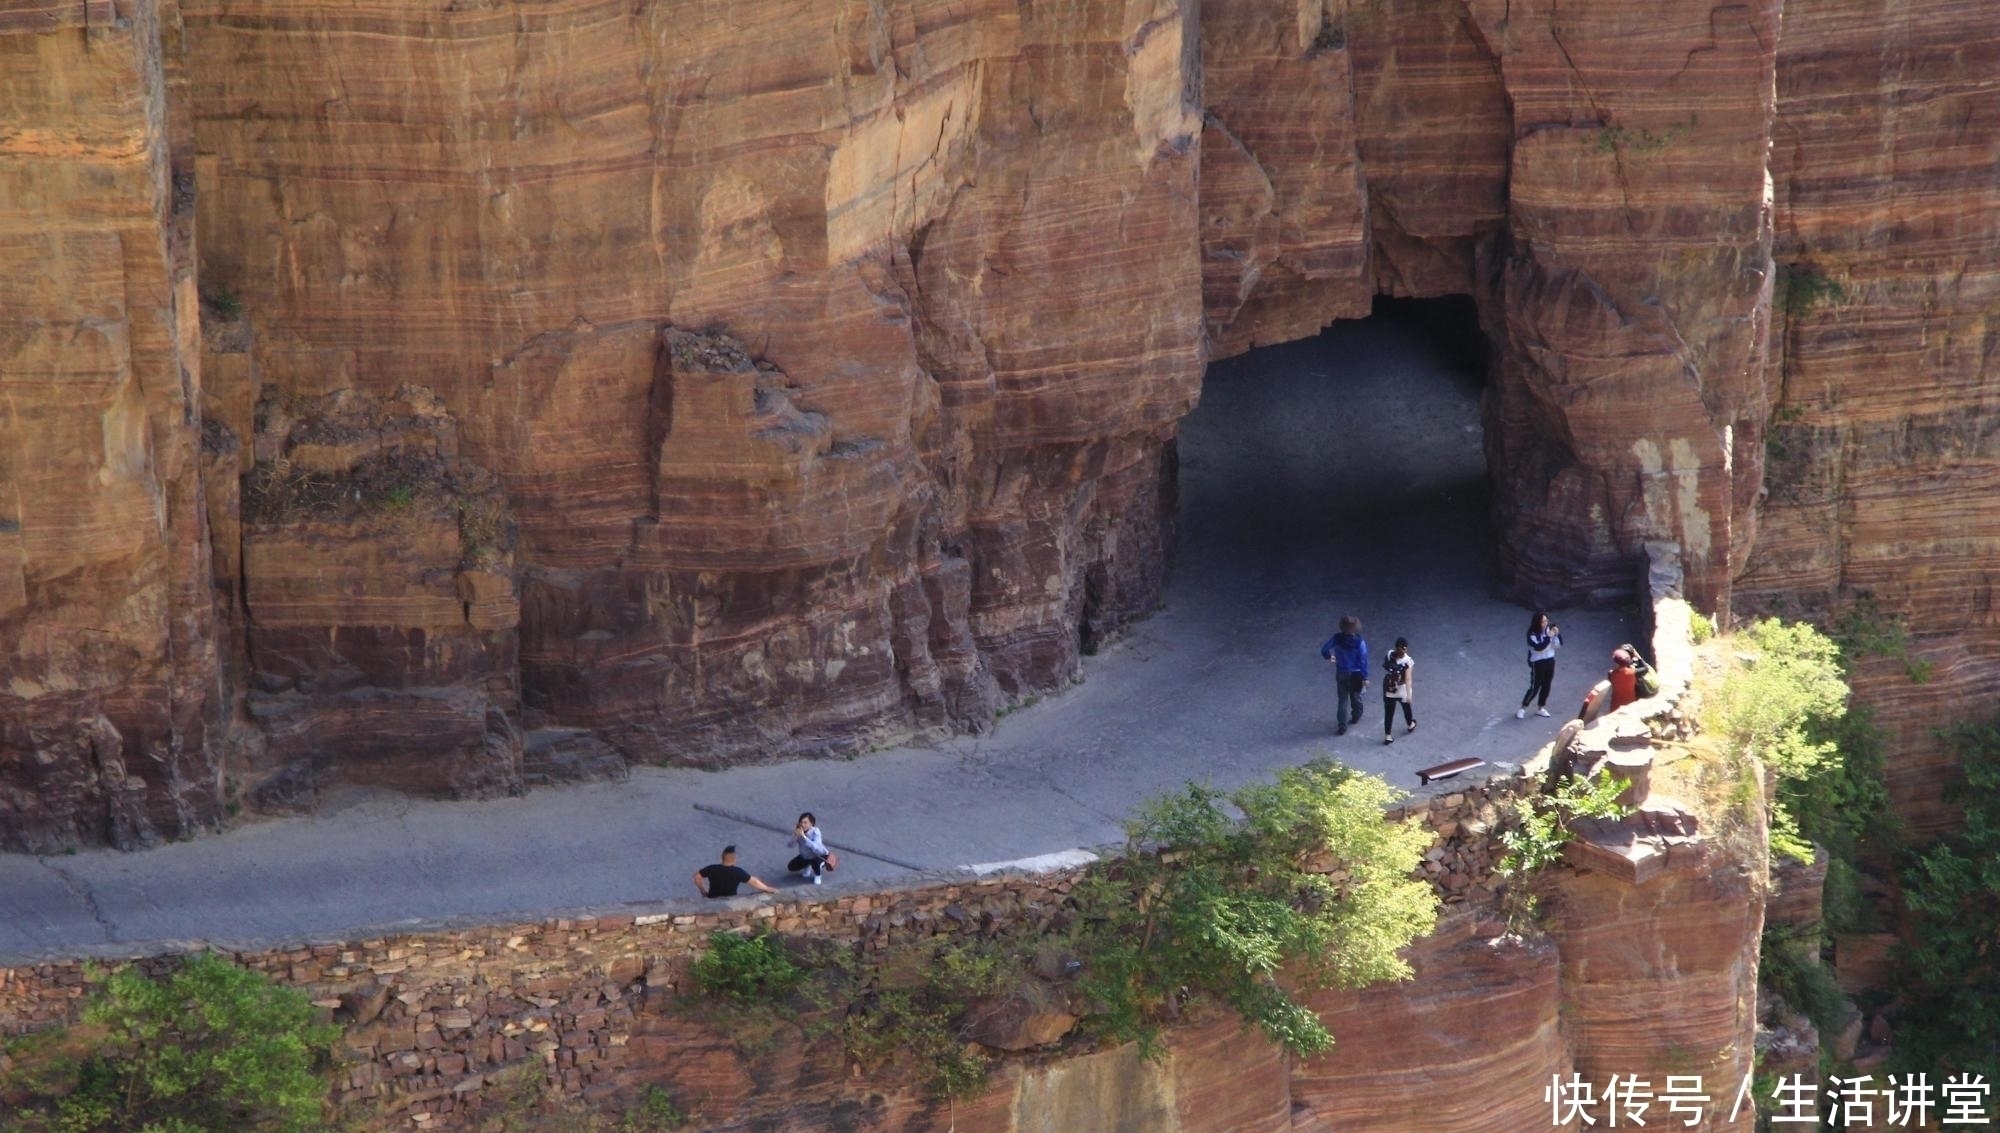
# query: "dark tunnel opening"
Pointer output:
{"type": "Point", "coordinates": [1354, 455]}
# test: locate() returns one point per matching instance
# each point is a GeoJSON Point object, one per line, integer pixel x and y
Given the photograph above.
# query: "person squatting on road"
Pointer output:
{"type": "Point", "coordinates": [724, 877]}
{"type": "Point", "coordinates": [810, 855]}
{"type": "Point", "coordinates": [1543, 641]}
{"type": "Point", "coordinates": [1348, 651]}
{"type": "Point", "coordinates": [1396, 685]}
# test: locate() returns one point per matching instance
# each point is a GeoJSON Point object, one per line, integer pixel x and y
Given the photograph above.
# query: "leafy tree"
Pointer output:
{"type": "Point", "coordinates": [211, 1048]}
{"type": "Point", "coordinates": [1949, 1018]}
{"type": "Point", "coordinates": [1545, 822]}
{"type": "Point", "coordinates": [1779, 706]}
{"type": "Point", "coordinates": [1241, 912]}
{"type": "Point", "coordinates": [913, 1000]}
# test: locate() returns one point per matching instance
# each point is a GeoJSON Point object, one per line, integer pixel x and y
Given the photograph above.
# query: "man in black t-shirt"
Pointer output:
{"type": "Point", "coordinates": [723, 878]}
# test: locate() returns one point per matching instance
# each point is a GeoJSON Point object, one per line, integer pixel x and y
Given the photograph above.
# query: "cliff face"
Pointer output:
{"type": "Point", "coordinates": [755, 321]}
{"type": "Point", "coordinates": [822, 362]}
{"type": "Point", "coordinates": [1884, 476]}
{"type": "Point", "coordinates": [105, 604]}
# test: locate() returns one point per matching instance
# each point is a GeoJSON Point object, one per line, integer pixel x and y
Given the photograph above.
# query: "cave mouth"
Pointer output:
{"type": "Point", "coordinates": [1345, 468]}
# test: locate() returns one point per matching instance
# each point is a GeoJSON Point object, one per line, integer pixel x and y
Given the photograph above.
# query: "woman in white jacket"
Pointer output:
{"type": "Point", "coordinates": [1543, 641]}
{"type": "Point", "coordinates": [811, 857]}
{"type": "Point", "coordinates": [1398, 687]}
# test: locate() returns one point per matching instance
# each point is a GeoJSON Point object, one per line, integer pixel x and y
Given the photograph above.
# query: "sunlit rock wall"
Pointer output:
{"type": "Point", "coordinates": [108, 682]}
{"type": "Point", "coordinates": [1884, 450]}
{"type": "Point", "coordinates": [764, 316]}
{"type": "Point", "coordinates": [826, 358]}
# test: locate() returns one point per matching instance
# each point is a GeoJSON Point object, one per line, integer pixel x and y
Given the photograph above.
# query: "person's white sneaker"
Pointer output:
{"type": "Point", "coordinates": [815, 878]}
{"type": "Point", "coordinates": [1541, 712]}
{"type": "Point", "coordinates": [1520, 714]}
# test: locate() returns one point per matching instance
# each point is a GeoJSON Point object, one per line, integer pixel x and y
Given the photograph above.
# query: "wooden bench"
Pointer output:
{"type": "Point", "coordinates": [1447, 770]}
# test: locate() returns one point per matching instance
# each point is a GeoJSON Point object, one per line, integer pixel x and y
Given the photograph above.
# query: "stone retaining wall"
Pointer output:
{"type": "Point", "coordinates": [431, 1016]}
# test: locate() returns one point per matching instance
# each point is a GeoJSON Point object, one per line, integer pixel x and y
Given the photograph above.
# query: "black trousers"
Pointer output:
{"type": "Point", "coordinates": [802, 862]}
{"type": "Point", "coordinates": [1389, 704]}
{"type": "Point", "coordinates": [1541, 674]}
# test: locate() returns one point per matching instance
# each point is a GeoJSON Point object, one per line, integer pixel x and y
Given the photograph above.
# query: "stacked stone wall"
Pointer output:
{"type": "Point", "coordinates": [428, 1017]}
{"type": "Point", "coordinates": [435, 1018]}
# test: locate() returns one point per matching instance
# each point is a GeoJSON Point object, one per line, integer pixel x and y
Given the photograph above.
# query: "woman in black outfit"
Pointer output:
{"type": "Point", "coordinates": [1543, 640]}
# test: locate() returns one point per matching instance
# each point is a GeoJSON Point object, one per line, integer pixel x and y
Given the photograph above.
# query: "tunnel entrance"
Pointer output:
{"type": "Point", "coordinates": [1347, 474]}
{"type": "Point", "coordinates": [1345, 468]}
{"type": "Point", "coordinates": [1341, 474]}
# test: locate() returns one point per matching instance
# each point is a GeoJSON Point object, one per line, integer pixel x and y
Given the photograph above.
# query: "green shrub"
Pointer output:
{"type": "Point", "coordinates": [1228, 906]}
{"type": "Point", "coordinates": [210, 1048]}
{"type": "Point", "coordinates": [912, 1001]}
{"type": "Point", "coordinates": [1790, 965]}
{"type": "Point", "coordinates": [1700, 626]}
{"type": "Point", "coordinates": [1778, 705]}
{"type": "Point", "coordinates": [1844, 806]}
{"type": "Point", "coordinates": [1867, 630]}
{"type": "Point", "coordinates": [747, 969]}
{"type": "Point", "coordinates": [1543, 825]}
{"type": "Point", "coordinates": [1801, 287]}
{"type": "Point", "coordinates": [656, 1112]}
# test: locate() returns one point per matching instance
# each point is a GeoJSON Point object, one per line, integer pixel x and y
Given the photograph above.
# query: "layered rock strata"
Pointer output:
{"type": "Point", "coordinates": [951, 271]}
{"type": "Point", "coordinates": [378, 569]}
{"type": "Point", "coordinates": [753, 487]}
{"type": "Point", "coordinates": [1884, 454]}
{"type": "Point", "coordinates": [109, 684]}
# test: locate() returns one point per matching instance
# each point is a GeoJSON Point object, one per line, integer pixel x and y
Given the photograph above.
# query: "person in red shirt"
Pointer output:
{"type": "Point", "coordinates": [1624, 679]}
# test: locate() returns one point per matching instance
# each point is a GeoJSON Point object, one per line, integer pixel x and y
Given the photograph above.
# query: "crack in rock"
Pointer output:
{"type": "Point", "coordinates": [84, 897]}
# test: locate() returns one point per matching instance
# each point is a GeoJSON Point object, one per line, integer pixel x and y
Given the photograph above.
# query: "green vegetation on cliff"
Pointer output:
{"type": "Point", "coordinates": [1782, 702]}
{"type": "Point", "coordinates": [1309, 888]}
{"type": "Point", "coordinates": [1312, 883]}
{"type": "Point", "coordinates": [1948, 1017]}
{"type": "Point", "coordinates": [1545, 823]}
{"type": "Point", "coordinates": [208, 1048]}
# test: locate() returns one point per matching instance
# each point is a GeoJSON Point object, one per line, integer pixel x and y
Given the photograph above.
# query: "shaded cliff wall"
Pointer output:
{"type": "Point", "coordinates": [1884, 475]}
{"type": "Point", "coordinates": [105, 608]}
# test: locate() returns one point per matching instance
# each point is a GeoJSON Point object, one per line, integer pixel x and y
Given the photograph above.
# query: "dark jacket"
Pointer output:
{"type": "Point", "coordinates": [1348, 652]}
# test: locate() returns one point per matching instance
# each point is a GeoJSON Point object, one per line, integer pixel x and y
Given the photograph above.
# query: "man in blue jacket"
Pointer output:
{"type": "Point", "coordinates": [1348, 651]}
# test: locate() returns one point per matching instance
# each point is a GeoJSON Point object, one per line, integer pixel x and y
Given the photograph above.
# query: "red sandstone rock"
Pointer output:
{"type": "Point", "coordinates": [1284, 224]}
{"type": "Point", "coordinates": [1468, 1044]}
{"type": "Point", "coordinates": [106, 692]}
{"type": "Point", "coordinates": [379, 595]}
{"type": "Point", "coordinates": [1661, 978]}
{"type": "Point", "coordinates": [1882, 477]}
{"type": "Point", "coordinates": [974, 256]}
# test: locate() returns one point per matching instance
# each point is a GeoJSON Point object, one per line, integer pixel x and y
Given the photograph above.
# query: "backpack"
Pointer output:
{"type": "Point", "coordinates": [1392, 677]}
{"type": "Point", "coordinates": [1646, 682]}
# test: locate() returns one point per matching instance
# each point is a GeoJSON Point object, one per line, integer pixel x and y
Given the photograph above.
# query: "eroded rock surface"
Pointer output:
{"type": "Point", "coordinates": [1884, 449]}
{"type": "Point", "coordinates": [378, 569]}
{"type": "Point", "coordinates": [828, 358]}
{"type": "Point", "coordinates": [107, 689]}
